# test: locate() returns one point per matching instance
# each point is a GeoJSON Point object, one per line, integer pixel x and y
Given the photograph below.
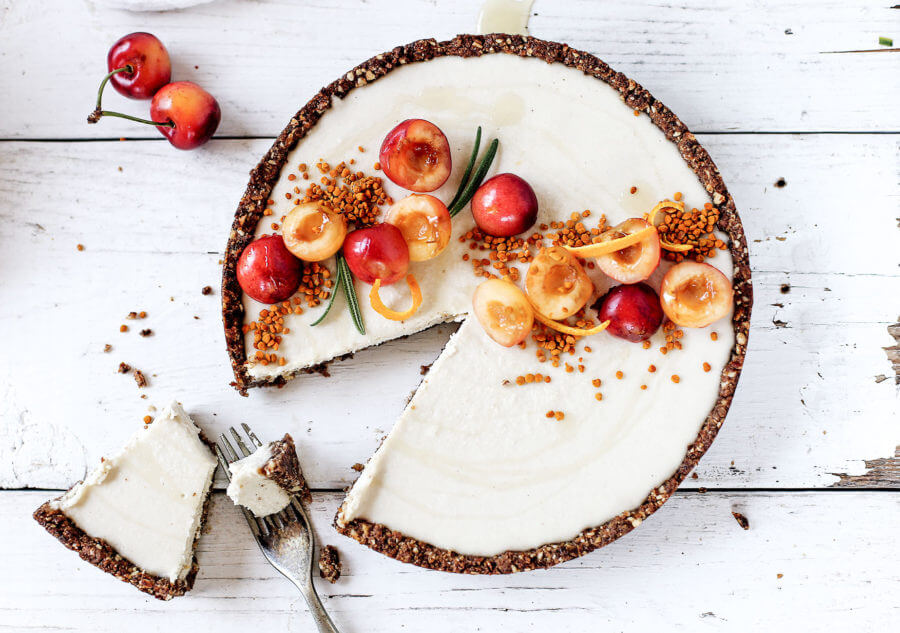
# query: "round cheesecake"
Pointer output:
{"type": "Point", "coordinates": [475, 477]}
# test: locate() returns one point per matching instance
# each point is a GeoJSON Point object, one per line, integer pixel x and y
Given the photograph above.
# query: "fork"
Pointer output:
{"type": "Point", "coordinates": [286, 538]}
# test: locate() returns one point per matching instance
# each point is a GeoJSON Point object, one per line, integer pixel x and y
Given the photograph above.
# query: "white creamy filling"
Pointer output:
{"type": "Point", "coordinates": [473, 465]}
{"type": "Point", "coordinates": [147, 501]}
{"type": "Point", "coordinates": [252, 489]}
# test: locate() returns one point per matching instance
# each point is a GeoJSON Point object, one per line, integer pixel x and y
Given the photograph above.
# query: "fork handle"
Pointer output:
{"type": "Point", "coordinates": [323, 620]}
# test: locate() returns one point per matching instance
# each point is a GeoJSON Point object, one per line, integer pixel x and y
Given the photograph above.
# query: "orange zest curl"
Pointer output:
{"type": "Point", "coordinates": [651, 218]}
{"type": "Point", "coordinates": [567, 329]}
{"type": "Point", "coordinates": [611, 246]}
{"type": "Point", "coordinates": [394, 315]}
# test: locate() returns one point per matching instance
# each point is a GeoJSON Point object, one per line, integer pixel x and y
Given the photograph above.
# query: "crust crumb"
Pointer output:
{"type": "Point", "coordinates": [742, 520]}
{"type": "Point", "coordinates": [329, 564]}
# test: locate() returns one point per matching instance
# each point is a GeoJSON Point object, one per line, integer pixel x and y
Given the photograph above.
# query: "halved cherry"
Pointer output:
{"type": "Point", "coordinates": [267, 271]}
{"type": "Point", "coordinates": [425, 223]}
{"type": "Point", "coordinates": [503, 311]}
{"type": "Point", "coordinates": [416, 155]}
{"type": "Point", "coordinates": [557, 284]}
{"type": "Point", "coordinates": [695, 295]}
{"type": "Point", "coordinates": [377, 252]}
{"type": "Point", "coordinates": [633, 263]}
{"type": "Point", "coordinates": [312, 231]}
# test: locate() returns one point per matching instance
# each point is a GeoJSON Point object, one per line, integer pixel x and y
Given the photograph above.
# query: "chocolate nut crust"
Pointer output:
{"type": "Point", "coordinates": [102, 555]}
{"type": "Point", "coordinates": [264, 176]}
{"type": "Point", "coordinates": [284, 468]}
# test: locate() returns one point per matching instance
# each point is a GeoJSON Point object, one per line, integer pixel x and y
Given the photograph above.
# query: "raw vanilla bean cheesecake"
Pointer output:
{"type": "Point", "coordinates": [138, 515]}
{"type": "Point", "coordinates": [264, 481]}
{"type": "Point", "coordinates": [590, 250]}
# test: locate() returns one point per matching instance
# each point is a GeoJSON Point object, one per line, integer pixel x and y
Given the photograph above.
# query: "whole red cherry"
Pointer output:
{"type": "Point", "coordinates": [148, 61]}
{"type": "Point", "coordinates": [377, 252]}
{"type": "Point", "coordinates": [633, 310]}
{"type": "Point", "coordinates": [267, 271]}
{"type": "Point", "coordinates": [190, 114]}
{"type": "Point", "coordinates": [505, 206]}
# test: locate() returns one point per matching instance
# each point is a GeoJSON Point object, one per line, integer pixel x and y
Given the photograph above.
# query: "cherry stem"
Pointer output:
{"type": "Point", "coordinates": [100, 112]}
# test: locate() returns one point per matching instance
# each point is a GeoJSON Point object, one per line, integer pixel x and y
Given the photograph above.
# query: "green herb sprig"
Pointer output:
{"type": "Point", "coordinates": [469, 186]}
{"type": "Point", "coordinates": [344, 282]}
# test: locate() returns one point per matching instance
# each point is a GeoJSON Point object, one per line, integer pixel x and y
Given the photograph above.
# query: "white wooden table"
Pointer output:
{"type": "Point", "coordinates": [808, 451]}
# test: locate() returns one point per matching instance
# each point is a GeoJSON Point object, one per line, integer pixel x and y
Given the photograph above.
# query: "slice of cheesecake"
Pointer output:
{"type": "Point", "coordinates": [138, 515]}
{"type": "Point", "coordinates": [264, 481]}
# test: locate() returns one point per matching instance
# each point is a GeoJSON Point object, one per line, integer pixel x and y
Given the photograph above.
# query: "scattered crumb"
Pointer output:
{"type": "Point", "coordinates": [780, 183]}
{"type": "Point", "coordinates": [785, 288]}
{"type": "Point", "coordinates": [140, 378]}
{"type": "Point", "coordinates": [132, 316]}
{"type": "Point", "coordinates": [207, 290]}
{"type": "Point", "coordinates": [123, 328]}
{"type": "Point", "coordinates": [357, 467]}
{"type": "Point", "coordinates": [80, 247]}
{"type": "Point", "coordinates": [196, 318]}
{"type": "Point", "coordinates": [120, 168]}
{"type": "Point", "coordinates": [701, 490]}
{"type": "Point", "coordinates": [147, 332]}
{"type": "Point", "coordinates": [107, 348]}
{"type": "Point", "coordinates": [148, 419]}
{"type": "Point", "coordinates": [124, 368]}
{"type": "Point", "coordinates": [423, 369]}
{"type": "Point", "coordinates": [742, 520]}
{"type": "Point", "coordinates": [694, 476]}
{"type": "Point", "coordinates": [329, 564]}
{"type": "Point", "coordinates": [779, 575]}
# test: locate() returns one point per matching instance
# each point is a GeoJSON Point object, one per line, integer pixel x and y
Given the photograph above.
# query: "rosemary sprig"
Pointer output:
{"type": "Point", "coordinates": [344, 282]}
{"type": "Point", "coordinates": [477, 177]}
{"type": "Point", "coordinates": [469, 167]}
{"type": "Point", "coordinates": [350, 292]}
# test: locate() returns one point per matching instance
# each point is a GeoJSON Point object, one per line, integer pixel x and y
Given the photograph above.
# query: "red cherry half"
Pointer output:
{"type": "Point", "coordinates": [416, 155]}
{"type": "Point", "coordinates": [149, 63]}
{"type": "Point", "coordinates": [194, 112]}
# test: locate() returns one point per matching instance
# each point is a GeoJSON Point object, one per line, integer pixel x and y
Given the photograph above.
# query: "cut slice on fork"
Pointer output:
{"type": "Point", "coordinates": [286, 538]}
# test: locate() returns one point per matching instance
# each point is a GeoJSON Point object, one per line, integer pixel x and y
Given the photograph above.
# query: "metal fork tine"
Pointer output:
{"type": "Point", "coordinates": [250, 433]}
{"type": "Point", "coordinates": [240, 442]}
{"type": "Point", "coordinates": [228, 448]}
{"type": "Point", "coordinates": [223, 463]}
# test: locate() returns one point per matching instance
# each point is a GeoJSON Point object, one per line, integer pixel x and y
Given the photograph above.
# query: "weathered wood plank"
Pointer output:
{"type": "Point", "coordinates": [817, 561]}
{"type": "Point", "coordinates": [809, 403]}
{"type": "Point", "coordinates": [718, 64]}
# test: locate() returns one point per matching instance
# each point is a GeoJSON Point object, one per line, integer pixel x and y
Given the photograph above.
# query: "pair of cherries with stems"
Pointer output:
{"type": "Point", "coordinates": [139, 68]}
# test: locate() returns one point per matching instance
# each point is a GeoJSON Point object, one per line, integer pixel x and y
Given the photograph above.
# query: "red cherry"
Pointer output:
{"type": "Point", "coordinates": [149, 60]}
{"type": "Point", "coordinates": [194, 112]}
{"type": "Point", "coordinates": [267, 271]}
{"type": "Point", "coordinates": [377, 252]}
{"type": "Point", "coordinates": [505, 206]}
{"type": "Point", "coordinates": [633, 310]}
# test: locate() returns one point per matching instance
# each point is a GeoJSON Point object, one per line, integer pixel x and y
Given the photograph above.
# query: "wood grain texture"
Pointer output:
{"type": "Point", "coordinates": [690, 567]}
{"type": "Point", "coordinates": [720, 65]}
{"type": "Point", "coordinates": [153, 233]}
